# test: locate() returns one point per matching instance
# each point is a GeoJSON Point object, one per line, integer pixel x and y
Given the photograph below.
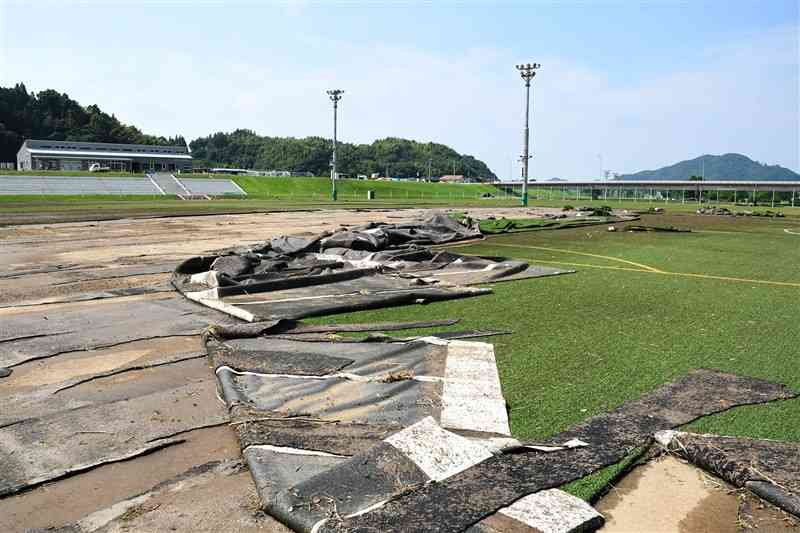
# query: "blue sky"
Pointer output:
{"type": "Point", "coordinates": [624, 85]}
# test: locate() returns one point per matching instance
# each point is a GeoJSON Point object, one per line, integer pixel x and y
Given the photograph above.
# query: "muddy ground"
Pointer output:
{"type": "Point", "coordinates": [140, 416]}
{"type": "Point", "coordinates": [94, 270]}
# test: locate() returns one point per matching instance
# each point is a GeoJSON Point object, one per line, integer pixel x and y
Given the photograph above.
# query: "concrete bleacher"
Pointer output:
{"type": "Point", "coordinates": [212, 187]}
{"type": "Point", "coordinates": [83, 185]}
{"type": "Point", "coordinates": [69, 185]}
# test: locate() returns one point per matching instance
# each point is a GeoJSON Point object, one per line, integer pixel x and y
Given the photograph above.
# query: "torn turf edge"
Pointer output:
{"type": "Point", "coordinates": [742, 462]}
{"type": "Point", "coordinates": [466, 498]}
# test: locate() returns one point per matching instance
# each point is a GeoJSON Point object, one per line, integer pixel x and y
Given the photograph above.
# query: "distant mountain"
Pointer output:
{"type": "Point", "coordinates": [728, 167]}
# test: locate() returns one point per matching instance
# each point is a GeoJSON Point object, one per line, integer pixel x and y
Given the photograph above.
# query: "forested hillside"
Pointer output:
{"type": "Point", "coordinates": [400, 157]}
{"type": "Point", "coordinates": [52, 115]}
{"type": "Point", "coordinates": [55, 116]}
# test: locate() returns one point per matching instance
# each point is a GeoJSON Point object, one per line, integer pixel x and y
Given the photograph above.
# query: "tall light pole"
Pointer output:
{"type": "Point", "coordinates": [527, 72]}
{"type": "Point", "coordinates": [335, 95]}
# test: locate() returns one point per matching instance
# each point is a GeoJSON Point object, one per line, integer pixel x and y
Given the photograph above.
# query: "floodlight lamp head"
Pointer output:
{"type": "Point", "coordinates": [527, 70]}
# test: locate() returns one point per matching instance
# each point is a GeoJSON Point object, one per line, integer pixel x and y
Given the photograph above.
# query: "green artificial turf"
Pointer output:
{"type": "Point", "coordinates": [584, 343]}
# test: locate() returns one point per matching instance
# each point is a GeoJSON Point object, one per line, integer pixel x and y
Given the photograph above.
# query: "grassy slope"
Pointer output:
{"type": "Point", "coordinates": [264, 194]}
{"type": "Point", "coordinates": [320, 188]}
{"type": "Point", "coordinates": [271, 194]}
{"type": "Point", "coordinates": [583, 343]}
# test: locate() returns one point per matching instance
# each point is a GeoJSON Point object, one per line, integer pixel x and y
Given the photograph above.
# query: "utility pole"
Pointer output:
{"type": "Point", "coordinates": [430, 162]}
{"type": "Point", "coordinates": [527, 72]}
{"type": "Point", "coordinates": [335, 95]}
{"type": "Point", "coordinates": [602, 174]}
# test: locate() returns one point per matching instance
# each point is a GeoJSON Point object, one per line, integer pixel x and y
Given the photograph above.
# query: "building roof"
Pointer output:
{"type": "Point", "coordinates": [127, 149]}
{"type": "Point", "coordinates": [106, 155]}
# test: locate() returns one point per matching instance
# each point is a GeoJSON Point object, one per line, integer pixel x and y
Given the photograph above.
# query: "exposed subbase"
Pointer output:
{"type": "Point", "coordinates": [389, 434]}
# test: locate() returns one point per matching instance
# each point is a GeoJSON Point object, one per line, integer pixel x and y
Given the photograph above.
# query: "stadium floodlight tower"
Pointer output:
{"type": "Point", "coordinates": [527, 72]}
{"type": "Point", "coordinates": [335, 95]}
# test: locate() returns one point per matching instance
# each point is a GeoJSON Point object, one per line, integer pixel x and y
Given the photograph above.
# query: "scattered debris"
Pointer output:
{"type": "Point", "coordinates": [374, 266]}
{"type": "Point", "coordinates": [672, 229]}
{"type": "Point", "coordinates": [767, 213]}
{"type": "Point", "coordinates": [595, 211]}
{"type": "Point", "coordinates": [648, 211]}
{"type": "Point", "coordinates": [720, 211]}
{"type": "Point", "coordinates": [724, 211]}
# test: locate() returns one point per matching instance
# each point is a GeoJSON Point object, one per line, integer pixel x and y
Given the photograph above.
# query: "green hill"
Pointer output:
{"type": "Point", "coordinates": [400, 157]}
{"type": "Point", "coordinates": [727, 167]}
{"type": "Point", "coordinates": [55, 116]}
{"type": "Point", "coordinates": [52, 115]}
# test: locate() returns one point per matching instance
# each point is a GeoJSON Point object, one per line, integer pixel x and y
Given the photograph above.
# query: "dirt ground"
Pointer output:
{"type": "Point", "coordinates": [198, 482]}
{"type": "Point", "coordinates": [668, 495]}
{"type": "Point", "coordinates": [95, 268]}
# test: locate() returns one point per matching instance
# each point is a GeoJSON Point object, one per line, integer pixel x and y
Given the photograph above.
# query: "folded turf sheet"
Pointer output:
{"type": "Point", "coordinates": [332, 428]}
{"type": "Point", "coordinates": [377, 265]}
{"type": "Point", "coordinates": [402, 435]}
{"type": "Point", "coordinates": [464, 499]}
{"type": "Point", "coordinates": [413, 436]}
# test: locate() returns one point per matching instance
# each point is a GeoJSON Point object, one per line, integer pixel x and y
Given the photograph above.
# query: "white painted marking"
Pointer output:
{"type": "Point", "coordinates": [205, 278]}
{"type": "Point", "coordinates": [472, 397]}
{"type": "Point", "coordinates": [338, 375]}
{"type": "Point", "coordinates": [487, 268]}
{"type": "Point", "coordinates": [210, 294]}
{"type": "Point", "coordinates": [157, 186]}
{"type": "Point", "coordinates": [552, 511]}
{"type": "Point", "coordinates": [790, 232]}
{"type": "Point", "coordinates": [437, 452]}
{"type": "Point", "coordinates": [331, 296]}
{"type": "Point", "coordinates": [573, 443]}
{"type": "Point", "coordinates": [237, 186]}
{"type": "Point", "coordinates": [291, 451]}
{"type": "Point", "coordinates": [219, 305]}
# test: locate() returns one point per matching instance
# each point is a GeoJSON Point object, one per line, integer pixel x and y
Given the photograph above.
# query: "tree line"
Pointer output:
{"type": "Point", "coordinates": [391, 156]}
{"type": "Point", "coordinates": [55, 116]}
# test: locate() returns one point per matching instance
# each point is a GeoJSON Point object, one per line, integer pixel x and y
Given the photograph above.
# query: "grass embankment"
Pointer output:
{"type": "Point", "coordinates": [275, 194]}
{"type": "Point", "coordinates": [316, 189]}
{"type": "Point", "coordinates": [642, 310]}
{"type": "Point", "coordinates": [264, 194]}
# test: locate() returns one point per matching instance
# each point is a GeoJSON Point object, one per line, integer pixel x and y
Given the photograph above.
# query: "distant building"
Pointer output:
{"type": "Point", "coordinates": [452, 178]}
{"type": "Point", "coordinates": [77, 155]}
{"type": "Point", "coordinates": [230, 171]}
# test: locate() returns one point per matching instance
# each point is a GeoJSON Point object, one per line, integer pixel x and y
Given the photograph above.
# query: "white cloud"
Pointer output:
{"type": "Point", "coordinates": [743, 99]}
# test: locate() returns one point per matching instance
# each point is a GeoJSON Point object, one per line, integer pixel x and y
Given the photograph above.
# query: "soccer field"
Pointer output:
{"type": "Point", "coordinates": [642, 309]}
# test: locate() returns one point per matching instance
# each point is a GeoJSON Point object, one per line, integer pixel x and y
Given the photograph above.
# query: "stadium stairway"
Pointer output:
{"type": "Point", "coordinates": [169, 184]}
